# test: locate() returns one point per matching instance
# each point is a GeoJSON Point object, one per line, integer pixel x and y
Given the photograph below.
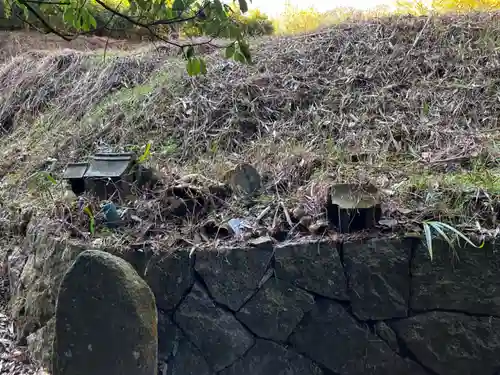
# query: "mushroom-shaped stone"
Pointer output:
{"type": "Point", "coordinates": [353, 208]}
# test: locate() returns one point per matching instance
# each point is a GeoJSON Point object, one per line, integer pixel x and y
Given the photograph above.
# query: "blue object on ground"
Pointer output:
{"type": "Point", "coordinates": [238, 225]}
{"type": "Point", "coordinates": [111, 216]}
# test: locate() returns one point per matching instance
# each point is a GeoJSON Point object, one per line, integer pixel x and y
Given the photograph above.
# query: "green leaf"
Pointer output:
{"type": "Point", "coordinates": [50, 178]}
{"type": "Point", "coordinates": [458, 233]}
{"type": "Point", "coordinates": [146, 153]}
{"type": "Point", "coordinates": [179, 5]}
{"type": "Point", "coordinates": [188, 52]}
{"type": "Point", "coordinates": [143, 4]}
{"type": "Point", "coordinates": [132, 8]}
{"type": "Point", "coordinates": [218, 6]}
{"type": "Point", "coordinates": [92, 21]}
{"type": "Point", "coordinates": [69, 16]}
{"type": "Point", "coordinates": [428, 236]}
{"type": "Point", "coordinates": [238, 56]}
{"type": "Point", "coordinates": [193, 66]}
{"type": "Point", "coordinates": [159, 7]}
{"type": "Point", "coordinates": [234, 31]}
{"type": "Point", "coordinates": [89, 213]}
{"type": "Point", "coordinates": [245, 50]}
{"type": "Point", "coordinates": [230, 50]}
{"type": "Point", "coordinates": [438, 229]}
{"type": "Point", "coordinates": [243, 6]}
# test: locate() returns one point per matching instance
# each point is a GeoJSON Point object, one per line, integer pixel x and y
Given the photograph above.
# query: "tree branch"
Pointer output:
{"type": "Point", "coordinates": [116, 13]}
{"type": "Point", "coordinates": [43, 21]}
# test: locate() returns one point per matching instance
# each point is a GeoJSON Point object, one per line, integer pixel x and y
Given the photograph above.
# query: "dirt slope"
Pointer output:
{"type": "Point", "coordinates": [398, 102]}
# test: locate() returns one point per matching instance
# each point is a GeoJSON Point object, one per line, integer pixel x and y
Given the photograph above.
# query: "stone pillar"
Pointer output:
{"type": "Point", "coordinates": [106, 319]}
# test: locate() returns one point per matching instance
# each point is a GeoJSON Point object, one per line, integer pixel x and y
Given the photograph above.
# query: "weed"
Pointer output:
{"type": "Point", "coordinates": [441, 229]}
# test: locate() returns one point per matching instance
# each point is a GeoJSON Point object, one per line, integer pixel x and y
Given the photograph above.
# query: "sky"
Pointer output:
{"type": "Point", "coordinates": [275, 7]}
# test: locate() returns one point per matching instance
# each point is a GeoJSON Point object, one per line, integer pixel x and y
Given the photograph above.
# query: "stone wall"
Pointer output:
{"type": "Point", "coordinates": [376, 306]}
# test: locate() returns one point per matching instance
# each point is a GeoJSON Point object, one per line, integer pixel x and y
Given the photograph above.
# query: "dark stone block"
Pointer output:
{"type": "Point", "coordinates": [379, 281]}
{"type": "Point", "coordinates": [387, 334]}
{"type": "Point", "coordinates": [170, 275]}
{"type": "Point", "coordinates": [106, 319]}
{"type": "Point", "coordinates": [169, 336]}
{"type": "Point", "coordinates": [232, 275]}
{"type": "Point", "coordinates": [187, 360]}
{"type": "Point", "coordinates": [138, 257]}
{"type": "Point", "coordinates": [176, 352]}
{"type": "Point", "coordinates": [469, 283]}
{"type": "Point", "coordinates": [332, 338]}
{"type": "Point", "coordinates": [313, 266]}
{"type": "Point", "coordinates": [453, 343]}
{"type": "Point", "coordinates": [268, 358]}
{"type": "Point", "coordinates": [275, 310]}
{"type": "Point", "coordinates": [216, 332]}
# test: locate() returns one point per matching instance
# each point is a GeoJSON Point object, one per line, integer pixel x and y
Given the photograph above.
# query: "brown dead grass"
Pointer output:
{"type": "Point", "coordinates": [13, 43]}
{"type": "Point", "coordinates": [408, 104]}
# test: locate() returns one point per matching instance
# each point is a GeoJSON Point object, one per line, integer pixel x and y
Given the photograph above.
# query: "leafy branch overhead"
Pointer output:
{"type": "Point", "coordinates": [158, 18]}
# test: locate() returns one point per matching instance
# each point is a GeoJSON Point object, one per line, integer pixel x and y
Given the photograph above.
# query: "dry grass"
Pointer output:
{"type": "Point", "coordinates": [408, 104]}
{"type": "Point", "coordinates": [13, 43]}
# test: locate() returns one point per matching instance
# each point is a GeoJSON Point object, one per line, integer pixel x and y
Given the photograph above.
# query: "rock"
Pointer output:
{"type": "Point", "coordinates": [175, 352]}
{"type": "Point", "coordinates": [318, 227]}
{"type": "Point", "coordinates": [232, 275]}
{"type": "Point", "coordinates": [313, 266]}
{"type": "Point", "coordinates": [378, 274]}
{"type": "Point", "coordinates": [170, 276]}
{"type": "Point", "coordinates": [169, 336]}
{"type": "Point", "coordinates": [40, 344]}
{"type": "Point", "coordinates": [261, 241]}
{"type": "Point", "coordinates": [332, 338]}
{"type": "Point", "coordinates": [15, 264]}
{"type": "Point", "coordinates": [275, 310]}
{"type": "Point", "coordinates": [267, 358]}
{"type": "Point", "coordinates": [34, 294]}
{"type": "Point", "coordinates": [244, 178]}
{"type": "Point", "coordinates": [387, 334]}
{"type": "Point", "coordinates": [469, 283]}
{"type": "Point", "coordinates": [214, 331]}
{"type": "Point", "coordinates": [452, 343]}
{"type": "Point", "coordinates": [138, 256]}
{"type": "Point", "coordinates": [352, 208]}
{"type": "Point", "coordinates": [187, 360]}
{"type": "Point", "coordinates": [106, 320]}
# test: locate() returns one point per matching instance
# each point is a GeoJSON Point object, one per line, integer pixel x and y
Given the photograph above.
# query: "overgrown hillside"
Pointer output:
{"type": "Point", "coordinates": [408, 104]}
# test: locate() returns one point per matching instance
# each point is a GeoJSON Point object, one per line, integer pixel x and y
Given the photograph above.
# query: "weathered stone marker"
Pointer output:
{"type": "Point", "coordinates": [106, 319]}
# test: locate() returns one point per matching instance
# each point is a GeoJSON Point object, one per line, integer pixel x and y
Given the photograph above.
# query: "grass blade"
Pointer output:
{"type": "Point", "coordinates": [146, 153]}
{"type": "Point", "coordinates": [436, 226]}
{"type": "Point", "coordinates": [428, 236]}
{"type": "Point", "coordinates": [460, 234]}
{"type": "Point", "coordinates": [88, 211]}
